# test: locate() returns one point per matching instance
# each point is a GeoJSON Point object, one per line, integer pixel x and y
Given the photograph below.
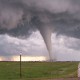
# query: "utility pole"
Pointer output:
{"type": "Point", "coordinates": [20, 67]}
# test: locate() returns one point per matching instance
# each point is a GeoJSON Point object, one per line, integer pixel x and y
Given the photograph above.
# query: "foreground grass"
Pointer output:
{"type": "Point", "coordinates": [38, 70]}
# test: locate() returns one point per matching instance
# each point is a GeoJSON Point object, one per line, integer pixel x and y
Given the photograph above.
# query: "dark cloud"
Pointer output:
{"type": "Point", "coordinates": [21, 17]}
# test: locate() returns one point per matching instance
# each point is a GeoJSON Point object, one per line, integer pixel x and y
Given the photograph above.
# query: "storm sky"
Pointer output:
{"type": "Point", "coordinates": [26, 25]}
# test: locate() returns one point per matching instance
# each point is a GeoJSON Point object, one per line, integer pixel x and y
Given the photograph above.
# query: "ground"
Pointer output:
{"type": "Point", "coordinates": [39, 70]}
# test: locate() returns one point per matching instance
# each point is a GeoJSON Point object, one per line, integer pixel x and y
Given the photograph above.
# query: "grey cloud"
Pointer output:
{"type": "Point", "coordinates": [10, 46]}
{"type": "Point", "coordinates": [64, 48]}
{"type": "Point", "coordinates": [69, 43]}
{"type": "Point", "coordinates": [22, 17]}
{"type": "Point", "coordinates": [72, 43]}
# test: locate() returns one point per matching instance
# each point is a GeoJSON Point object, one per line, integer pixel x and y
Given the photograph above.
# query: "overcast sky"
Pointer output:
{"type": "Point", "coordinates": [26, 25]}
{"type": "Point", "coordinates": [64, 48]}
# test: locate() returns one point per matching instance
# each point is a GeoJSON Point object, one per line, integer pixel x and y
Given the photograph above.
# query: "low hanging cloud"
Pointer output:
{"type": "Point", "coordinates": [11, 46]}
{"type": "Point", "coordinates": [65, 48]}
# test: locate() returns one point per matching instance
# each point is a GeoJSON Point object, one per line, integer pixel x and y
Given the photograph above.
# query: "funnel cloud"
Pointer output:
{"type": "Point", "coordinates": [19, 18]}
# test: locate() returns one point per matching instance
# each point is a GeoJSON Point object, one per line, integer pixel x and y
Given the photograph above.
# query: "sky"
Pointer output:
{"type": "Point", "coordinates": [40, 29]}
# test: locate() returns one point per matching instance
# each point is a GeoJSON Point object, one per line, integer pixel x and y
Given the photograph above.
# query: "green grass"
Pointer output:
{"type": "Point", "coordinates": [38, 70]}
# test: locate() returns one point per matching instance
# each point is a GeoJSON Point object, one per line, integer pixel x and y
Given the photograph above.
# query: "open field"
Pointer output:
{"type": "Point", "coordinates": [38, 70]}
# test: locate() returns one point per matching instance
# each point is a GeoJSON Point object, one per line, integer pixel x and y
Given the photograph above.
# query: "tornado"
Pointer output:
{"type": "Point", "coordinates": [45, 31]}
{"type": "Point", "coordinates": [46, 34]}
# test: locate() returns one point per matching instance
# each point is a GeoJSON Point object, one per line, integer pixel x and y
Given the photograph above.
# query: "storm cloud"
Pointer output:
{"type": "Point", "coordinates": [20, 18]}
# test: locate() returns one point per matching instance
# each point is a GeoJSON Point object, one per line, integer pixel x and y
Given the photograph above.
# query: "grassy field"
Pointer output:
{"type": "Point", "coordinates": [38, 70]}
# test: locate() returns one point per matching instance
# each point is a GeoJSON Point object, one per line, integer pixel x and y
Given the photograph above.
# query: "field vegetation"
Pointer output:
{"type": "Point", "coordinates": [38, 70]}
